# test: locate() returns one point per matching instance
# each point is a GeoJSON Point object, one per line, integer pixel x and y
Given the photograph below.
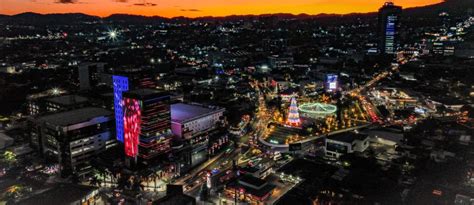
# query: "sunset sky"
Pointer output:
{"type": "Point", "coordinates": [195, 8]}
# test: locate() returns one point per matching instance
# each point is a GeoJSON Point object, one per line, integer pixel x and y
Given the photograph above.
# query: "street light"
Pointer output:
{"type": "Point", "coordinates": [112, 34]}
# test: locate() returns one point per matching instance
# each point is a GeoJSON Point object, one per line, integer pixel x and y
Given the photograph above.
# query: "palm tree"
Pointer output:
{"type": "Point", "coordinates": [154, 176]}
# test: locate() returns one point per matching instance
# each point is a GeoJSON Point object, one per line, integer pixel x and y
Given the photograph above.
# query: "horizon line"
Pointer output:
{"type": "Point", "coordinates": [204, 16]}
{"type": "Point", "coordinates": [211, 16]}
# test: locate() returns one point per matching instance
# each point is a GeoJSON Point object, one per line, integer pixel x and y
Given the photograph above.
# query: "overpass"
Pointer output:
{"type": "Point", "coordinates": [285, 147]}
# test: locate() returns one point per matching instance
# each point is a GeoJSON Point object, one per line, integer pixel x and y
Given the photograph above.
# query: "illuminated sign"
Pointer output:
{"type": "Point", "coordinates": [331, 82]}
{"type": "Point", "coordinates": [131, 125]}
{"type": "Point", "coordinates": [120, 85]}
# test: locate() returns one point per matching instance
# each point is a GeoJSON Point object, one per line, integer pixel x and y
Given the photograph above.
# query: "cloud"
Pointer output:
{"type": "Point", "coordinates": [66, 1]}
{"type": "Point", "coordinates": [190, 10]}
{"type": "Point", "coordinates": [145, 4]}
{"type": "Point", "coordinates": [121, 1]}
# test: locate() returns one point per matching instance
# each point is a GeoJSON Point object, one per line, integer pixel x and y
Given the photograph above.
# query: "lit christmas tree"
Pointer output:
{"type": "Point", "coordinates": [293, 115]}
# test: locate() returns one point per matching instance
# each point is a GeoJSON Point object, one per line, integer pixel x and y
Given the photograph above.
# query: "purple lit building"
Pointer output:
{"type": "Point", "coordinates": [191, 124]}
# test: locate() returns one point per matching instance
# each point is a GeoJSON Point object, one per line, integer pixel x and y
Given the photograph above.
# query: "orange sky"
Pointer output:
{"type": "Point", "coordinates": [195, 8]}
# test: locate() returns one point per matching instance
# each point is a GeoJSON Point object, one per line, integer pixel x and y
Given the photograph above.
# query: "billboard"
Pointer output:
{"type": "Point", "coordinates": [331, 82]}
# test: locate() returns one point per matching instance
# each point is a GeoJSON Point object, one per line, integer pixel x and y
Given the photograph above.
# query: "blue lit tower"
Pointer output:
{"type": "Point", "coordinates": [120, 85]}
{"type": "Point", "coordinates": [389, 21]}
{"type": "Point", "coordinates": [125, 80]}
{"type": "Point", "coordinates": [293, 115]}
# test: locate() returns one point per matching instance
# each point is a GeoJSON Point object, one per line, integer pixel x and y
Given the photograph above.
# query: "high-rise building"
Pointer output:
{"type": "Point", "coordinates": [389, 23]}
{"type": "Point", "coordinates": [120, 86]}
{"type": "Point", "coordinates": [122, 81]}
{"type": "Point", "coordinates": [46, 104]}
{"type": "Point", "coordinates": [280, 62]}
{"type": "Point", "coordinates": [89, 74]}
{"type": "Point", "coordinates": [146, 123]}
{"type": "Point", "coordinates": [73, 138]}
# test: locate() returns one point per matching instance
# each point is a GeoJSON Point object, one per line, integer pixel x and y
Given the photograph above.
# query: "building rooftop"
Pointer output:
{"type": "Point", "coordinates": [251, 180]}
{"type": "Point", "coordinates": [183, 112]}
{"type": "Point", "coordinates": [348, 137]}
{"type": "Point", "coordinates": [74, 116]}
{"type": "Point", "coordinates": [67, 100]}
{"type": "Point", "coordinates": [181, 199]}
{"type": "Point", "coordinates": [61, 194]}
{"type": "Point", "coordinates": [175, 195]}
{"type": "Point", "coordinates": [259, 187]}
{"type": "Point", "coordinates": [249, 169]}
{"type": "Point", "coordinates": [145, 94]}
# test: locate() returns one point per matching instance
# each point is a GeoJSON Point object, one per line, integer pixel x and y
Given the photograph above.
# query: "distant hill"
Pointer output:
{"type": "Point", "coordinates": [128, 18]}
{"type": "Point", "coordinates": [454, 7]}
{"type": "Point", "coordinates": [35, 18]}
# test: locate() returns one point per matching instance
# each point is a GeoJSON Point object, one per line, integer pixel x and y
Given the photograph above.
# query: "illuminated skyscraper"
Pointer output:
{"type": "Point", "coordinates": [123, 81]}
{"type": "Point", "coordinates": [147, 123]}
{"type": "Point", "coordinates": [120, 85]}
{"type": "Point", "coordinates": [389, 21]}
{"type": "Point", "coordinates": [293, 115]}
{"type": "Point", "coordinates": [132, 126]}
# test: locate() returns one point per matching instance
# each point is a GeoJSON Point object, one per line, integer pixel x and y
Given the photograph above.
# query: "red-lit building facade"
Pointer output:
{"type": "Point", "coordinates": [147, 123]}
{"type": "Point", "coordinates": [249, 189]}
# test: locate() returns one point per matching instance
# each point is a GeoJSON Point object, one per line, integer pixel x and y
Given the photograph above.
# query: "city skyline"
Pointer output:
{"type": "Point", "coordinates": [307, 102]}
{"type": "Point", "coordinates": [189, 8]}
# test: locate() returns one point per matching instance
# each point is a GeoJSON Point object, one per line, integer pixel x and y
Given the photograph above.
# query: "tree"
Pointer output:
{"type": "Point", "coordinates": [9, 157]}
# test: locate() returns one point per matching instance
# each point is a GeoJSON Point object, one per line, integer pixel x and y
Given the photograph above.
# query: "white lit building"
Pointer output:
{"type": "Point", "coordinates": [191, 124]}
{"type": "Point", "coordinates": [73, 138]}
{"type": "Point", "coordinates": [345, 143]}
{"type": "Point", "coordinates": [188, 120]}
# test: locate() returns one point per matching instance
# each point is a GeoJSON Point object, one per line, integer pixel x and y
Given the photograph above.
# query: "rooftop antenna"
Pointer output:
{"type": "Point", "coordinates": [389, 2]}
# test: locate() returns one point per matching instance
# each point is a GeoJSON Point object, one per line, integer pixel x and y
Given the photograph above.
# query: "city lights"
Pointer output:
{"type": "Point", "coordinates": [371, 107]}
{"type": "Point", "coordinates": [293, 118]}
{"type": "Point", "coordinates": [112, 34]}
{"type": "Point", "coordinates": [317, 110]}
{"type": "Point", "coordinates": [56, 91]}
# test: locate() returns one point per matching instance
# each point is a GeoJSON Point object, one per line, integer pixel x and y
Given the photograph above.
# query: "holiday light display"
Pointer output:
{"type": "Point", "coordinates": [316, 110]}
{"type": "Point", "coordinates": [293, 115]}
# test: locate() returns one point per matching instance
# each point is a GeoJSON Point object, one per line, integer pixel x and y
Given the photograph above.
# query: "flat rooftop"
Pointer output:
{"type": "Point", "coordinates": [348, 137]}
{"type": "Point", "coordinates": [263, 187]}
{"type": "Point", "coordinates": [74, 116]}
{"type": "Point", "coordinates": [183, 112]}
{"type": "Point", "coordinates": [68, 100]}
{"type": "Point", "coordinates": [254, 181]}
{"type": "Point", "coordinates": [146, 93]}
{"type": "Point", "coordinates": [60, 194]}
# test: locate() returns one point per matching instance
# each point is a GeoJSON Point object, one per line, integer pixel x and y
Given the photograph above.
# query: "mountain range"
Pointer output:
{"type": "Point", "coordinates": [454, 7]}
